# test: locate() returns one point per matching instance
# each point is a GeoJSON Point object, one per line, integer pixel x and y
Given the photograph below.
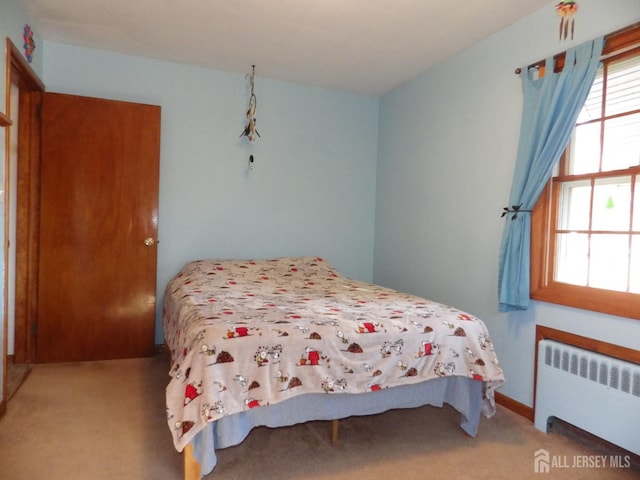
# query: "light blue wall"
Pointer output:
{"type": "Point", "coordinates": [446, 153]}
{"type": "Point", "coordinates": [445, 144]}
{"type": "Point", "coordinates": [311, 192]}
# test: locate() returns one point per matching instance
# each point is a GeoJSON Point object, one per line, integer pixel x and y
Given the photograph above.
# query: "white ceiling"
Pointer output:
{"type": "Point", "coordinates": [362, 46]}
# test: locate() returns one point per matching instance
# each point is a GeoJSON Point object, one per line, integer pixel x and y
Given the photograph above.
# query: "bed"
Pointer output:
{"type": "Point", "coordinates": [286, 340]}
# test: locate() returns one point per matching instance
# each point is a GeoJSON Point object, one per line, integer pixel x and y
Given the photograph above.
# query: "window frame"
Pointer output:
{"type": "Point", "coordinates": [544, 218]}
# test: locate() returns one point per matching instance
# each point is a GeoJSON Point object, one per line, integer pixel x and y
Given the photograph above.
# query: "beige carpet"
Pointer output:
{"type": "Point", "coordinates": [106, 420]}
{"type": "Point", "coordinates": [16, 374]}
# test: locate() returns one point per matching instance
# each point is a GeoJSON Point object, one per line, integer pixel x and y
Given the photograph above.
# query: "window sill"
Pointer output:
{"type": "Point", "coordinates": [621, 304]}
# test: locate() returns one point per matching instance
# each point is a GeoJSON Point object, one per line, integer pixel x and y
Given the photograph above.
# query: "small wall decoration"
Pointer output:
{"type": "Point", "coordinates": [250, 131]}
{"type": "Point", "coordinates": [29, 43]}
{"type": "Point", "coordinates": [567, 10]}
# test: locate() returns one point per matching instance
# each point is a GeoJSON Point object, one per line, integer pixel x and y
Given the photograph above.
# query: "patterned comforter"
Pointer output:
{"type": "Point", "coordinates": [246, 334]}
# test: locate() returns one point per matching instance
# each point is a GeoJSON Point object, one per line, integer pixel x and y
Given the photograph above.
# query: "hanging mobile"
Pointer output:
{"type": "Point", "coordinates": [567, 10]}
{"type": "Point", "coordinates": [250, 131]}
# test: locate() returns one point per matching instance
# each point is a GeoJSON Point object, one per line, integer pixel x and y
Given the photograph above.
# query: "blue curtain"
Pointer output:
{"type": "Point", "coordinates": [551, 107]}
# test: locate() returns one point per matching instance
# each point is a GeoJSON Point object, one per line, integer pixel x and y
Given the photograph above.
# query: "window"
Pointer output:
{"type": "Point", "coordinates": [585, 239]}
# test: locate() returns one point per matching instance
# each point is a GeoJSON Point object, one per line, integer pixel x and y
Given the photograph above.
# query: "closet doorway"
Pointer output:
{"type": "Point", "coordinates": [24, 255]}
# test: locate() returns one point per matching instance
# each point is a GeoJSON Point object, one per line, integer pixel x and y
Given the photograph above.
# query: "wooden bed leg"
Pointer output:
{"type": "Point", "coordinates": [334, 432]}
{"type": "Point", "coordinates": [191, 465]}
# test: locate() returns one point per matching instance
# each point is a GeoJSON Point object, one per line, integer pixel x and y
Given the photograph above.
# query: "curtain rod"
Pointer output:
{"type": "Point", "coordinates": [605, 53]}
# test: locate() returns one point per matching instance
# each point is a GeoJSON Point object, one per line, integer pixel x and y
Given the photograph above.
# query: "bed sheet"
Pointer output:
{"type": "Point", "coordinates": [463, 394]}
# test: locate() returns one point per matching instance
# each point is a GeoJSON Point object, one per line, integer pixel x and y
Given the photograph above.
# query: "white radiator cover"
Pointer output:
{"type": "Point", "coordinates": [594, 392]}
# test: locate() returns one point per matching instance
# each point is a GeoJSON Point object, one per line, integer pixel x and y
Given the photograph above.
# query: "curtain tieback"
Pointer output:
{"type": "Point", "coordinates": [515, 210]}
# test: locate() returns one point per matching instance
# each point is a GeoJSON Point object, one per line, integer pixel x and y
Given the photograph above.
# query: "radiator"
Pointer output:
{"type": "Point", "coordinates": [594, 392]}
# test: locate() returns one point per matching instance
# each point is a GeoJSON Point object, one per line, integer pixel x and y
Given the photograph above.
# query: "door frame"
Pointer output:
{"type": "Point", "coordinates": [4, 122]}
{"type": "Point", "coordinates": [30, 87]}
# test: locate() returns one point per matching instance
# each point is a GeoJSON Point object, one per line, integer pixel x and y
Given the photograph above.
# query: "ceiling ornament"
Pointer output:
{"type": "Point", "coordinates": [567, 10]}
{"type": "Point", "coordinates": [29, 43]}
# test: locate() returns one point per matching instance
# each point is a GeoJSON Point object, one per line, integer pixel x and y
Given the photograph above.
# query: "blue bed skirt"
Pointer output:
{"type": "Point", "coordinates": [464, 394]}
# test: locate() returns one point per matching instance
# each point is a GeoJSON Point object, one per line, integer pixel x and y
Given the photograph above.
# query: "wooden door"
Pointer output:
{"type": "Point", "coordinates": [98, 229]}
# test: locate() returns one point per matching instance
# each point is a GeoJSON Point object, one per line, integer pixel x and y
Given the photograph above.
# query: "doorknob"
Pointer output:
{"type": "Point", "coordinates": [149, 242]}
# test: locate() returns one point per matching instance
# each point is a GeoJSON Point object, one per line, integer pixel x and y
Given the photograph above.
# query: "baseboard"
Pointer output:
{"type": "Point", "coordinates": [160, 348]}
{"type": "Point", "coordinates": [515, 406]}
